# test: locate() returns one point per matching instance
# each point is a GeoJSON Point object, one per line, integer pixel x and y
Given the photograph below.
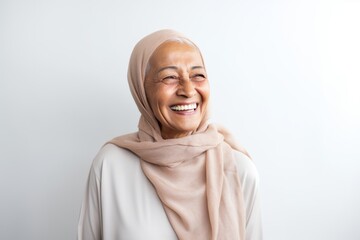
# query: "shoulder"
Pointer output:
{"type": "Point", "coordinates": [249, 179]}
{"type": "Point", "coordinates": [111, 156]}
{"type": "Point", "coordinates": [246, 169]}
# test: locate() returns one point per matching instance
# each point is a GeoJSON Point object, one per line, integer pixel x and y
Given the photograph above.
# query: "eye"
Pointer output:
{"type": "Point", "coordinates": [198, 77]}
{"type": "Point", "coordinates": [171, 79]}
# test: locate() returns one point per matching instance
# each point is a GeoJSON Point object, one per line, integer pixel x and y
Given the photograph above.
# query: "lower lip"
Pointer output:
{"type": "Point", "coordinates": [187, 112]}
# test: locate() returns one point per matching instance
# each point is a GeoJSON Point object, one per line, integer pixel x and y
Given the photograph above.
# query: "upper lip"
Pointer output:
{"type": "Point", "coordinates": [179, 104]}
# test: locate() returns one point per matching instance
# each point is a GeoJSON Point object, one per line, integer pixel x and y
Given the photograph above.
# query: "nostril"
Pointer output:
{"type": "Point", "coordinates": [186, 89]}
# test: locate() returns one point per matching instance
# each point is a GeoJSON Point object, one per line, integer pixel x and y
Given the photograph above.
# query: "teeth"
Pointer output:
{"type": "Point", "coordinates": [184, 107]}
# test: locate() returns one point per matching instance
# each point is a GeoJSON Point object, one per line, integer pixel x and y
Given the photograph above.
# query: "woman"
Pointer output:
{"type": "Point", "coordinates": [178, 177]}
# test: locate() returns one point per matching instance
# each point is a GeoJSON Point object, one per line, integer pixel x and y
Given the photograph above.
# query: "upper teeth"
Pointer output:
{"type": "Point", "coordinates": [183, 107]}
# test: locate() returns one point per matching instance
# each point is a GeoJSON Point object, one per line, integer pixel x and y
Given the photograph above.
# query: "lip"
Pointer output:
{"type": "Point", "coordinates": [184, 112]}
{"type": "Point", "coordinates": [184, 103]}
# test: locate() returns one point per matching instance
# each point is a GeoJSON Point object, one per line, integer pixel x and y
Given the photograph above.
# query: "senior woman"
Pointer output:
{"type": "Point", "coordinates": [178, 176]}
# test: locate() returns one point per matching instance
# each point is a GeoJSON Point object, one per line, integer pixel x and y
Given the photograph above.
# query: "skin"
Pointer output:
{"type": "Point", "coordinates": [177, 76]}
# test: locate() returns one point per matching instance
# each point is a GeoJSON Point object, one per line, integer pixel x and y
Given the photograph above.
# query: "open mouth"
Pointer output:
{"type": "Point", "coordinates": [187, 107]}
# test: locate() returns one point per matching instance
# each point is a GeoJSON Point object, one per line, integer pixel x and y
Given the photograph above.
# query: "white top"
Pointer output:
{"type": "Point", "coordinates": [121, 204]}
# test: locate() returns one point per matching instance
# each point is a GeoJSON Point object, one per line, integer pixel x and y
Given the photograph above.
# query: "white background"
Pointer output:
{"type": "Point", "coordinates": [285, 78]}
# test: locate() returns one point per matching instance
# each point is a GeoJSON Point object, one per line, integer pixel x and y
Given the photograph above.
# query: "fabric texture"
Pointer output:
{"type": "Point", "coordinates": [194, 176]}
{"type": "Point", "coordinates": [120, 203]}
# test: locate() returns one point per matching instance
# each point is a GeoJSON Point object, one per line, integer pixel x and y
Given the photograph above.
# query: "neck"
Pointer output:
{"type": "Point", "coordinates": [166, 135]}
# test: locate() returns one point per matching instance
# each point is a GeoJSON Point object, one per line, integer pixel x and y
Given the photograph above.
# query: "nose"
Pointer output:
{"type": "Point", "coordinates": [186, 88]}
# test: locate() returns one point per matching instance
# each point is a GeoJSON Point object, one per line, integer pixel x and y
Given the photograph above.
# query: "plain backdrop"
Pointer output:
{"type": "Point", "coordinates": [285, 79]}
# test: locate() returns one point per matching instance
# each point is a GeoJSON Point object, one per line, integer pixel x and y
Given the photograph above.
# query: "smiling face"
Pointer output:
{"type": "Point", "coordinates": [177, 88]}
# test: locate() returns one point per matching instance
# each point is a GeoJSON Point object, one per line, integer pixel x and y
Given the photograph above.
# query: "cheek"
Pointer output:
{"type": "Point", "coordinates": [160, 97]}
{"type": "Point", "coordinates": [204, 91]}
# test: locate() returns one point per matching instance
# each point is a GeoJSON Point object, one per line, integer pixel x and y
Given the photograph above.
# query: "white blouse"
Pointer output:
{"type": "Point", "coordinates": [121, 204]}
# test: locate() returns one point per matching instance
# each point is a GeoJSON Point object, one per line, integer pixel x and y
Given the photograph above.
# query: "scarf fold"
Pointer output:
{"type": "Point", "coordinates": [195, 176]}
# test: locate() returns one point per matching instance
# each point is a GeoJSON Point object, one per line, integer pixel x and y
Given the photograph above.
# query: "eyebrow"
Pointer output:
{"type": "Point", "coordinates": [175, 68]}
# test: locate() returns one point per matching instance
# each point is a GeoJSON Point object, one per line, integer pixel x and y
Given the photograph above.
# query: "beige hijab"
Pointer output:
{"type": "Point", "coordinates": [194, 176]}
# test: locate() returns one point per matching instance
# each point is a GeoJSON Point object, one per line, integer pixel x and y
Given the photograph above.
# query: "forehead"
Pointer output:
{"type": "Point", "coordinates": [173, 52]}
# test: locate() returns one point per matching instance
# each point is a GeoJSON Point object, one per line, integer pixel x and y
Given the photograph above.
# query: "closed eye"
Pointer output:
{"type": "Point", "coordinates": [171, 79]}
{"type": "Point", "coordinates": [198, 77]}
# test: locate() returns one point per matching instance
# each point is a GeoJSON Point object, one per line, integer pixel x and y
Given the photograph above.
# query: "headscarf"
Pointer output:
{"type": "Point", "coordinates": [194, 176]}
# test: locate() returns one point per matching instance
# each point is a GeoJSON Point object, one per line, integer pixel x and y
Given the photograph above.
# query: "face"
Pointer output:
{"type": "Point", "coordinates": [177, 88]}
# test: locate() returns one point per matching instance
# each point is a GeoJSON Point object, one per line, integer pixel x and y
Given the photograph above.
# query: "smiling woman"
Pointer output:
{"type": "Point", "coordinates": [177, 88]}
{"type": "Point", "coordinates": [178, 177]}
